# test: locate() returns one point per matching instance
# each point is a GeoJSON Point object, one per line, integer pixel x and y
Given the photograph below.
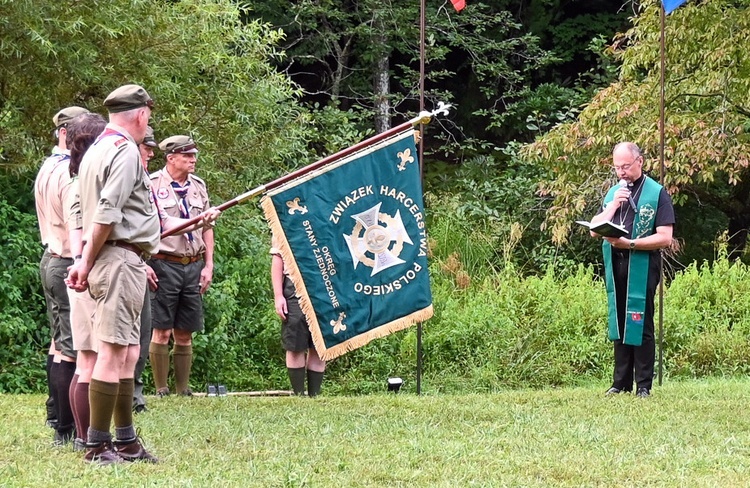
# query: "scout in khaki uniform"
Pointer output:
{"type": "Point", "coordinates": [82, 132]}
{"type": "Point", "coordinates": [302, 359]}
{"type": "Point", "coordinates": [183, 265]}
{"type": "Point", "coordinates": [50, 191]}
{"type": "Point", "coordinates": [146, 149]}
{"type": "Point", "coordinates": [120, 229]}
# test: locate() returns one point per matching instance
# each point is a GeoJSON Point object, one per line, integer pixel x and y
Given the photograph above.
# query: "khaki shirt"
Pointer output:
{"type": "Point", "coordinates": [51, 190]}
{"type": "Point", "coordinates": [276, 251]}
{"type": "Point", "coordinates": [168, 203]}
{"type": "Point", "coordinates": [114, 190]}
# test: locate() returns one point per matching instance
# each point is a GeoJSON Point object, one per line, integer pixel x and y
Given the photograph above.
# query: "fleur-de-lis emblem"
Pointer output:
{"type": "Point", "coordinates": [294, 206]}
{"type": "Point", "coordinates": [405, 157]}
{"type": "Point", "coordinates": [338, 324]}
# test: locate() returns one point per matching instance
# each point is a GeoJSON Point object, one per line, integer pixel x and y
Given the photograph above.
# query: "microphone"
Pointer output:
{"type": "Point", "coordinates": [623, 183]}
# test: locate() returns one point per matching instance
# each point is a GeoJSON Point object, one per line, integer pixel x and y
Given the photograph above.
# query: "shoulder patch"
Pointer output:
{"type": "Point", "coordinates": [121, 141]}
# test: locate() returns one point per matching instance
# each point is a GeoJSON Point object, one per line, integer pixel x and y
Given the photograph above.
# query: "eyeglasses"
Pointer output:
{"type": "Point", "coordinates": [625, 167]}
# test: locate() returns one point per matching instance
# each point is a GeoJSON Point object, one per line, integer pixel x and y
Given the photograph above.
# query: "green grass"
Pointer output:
{"type": "Point", "coordinates": [694, 433]}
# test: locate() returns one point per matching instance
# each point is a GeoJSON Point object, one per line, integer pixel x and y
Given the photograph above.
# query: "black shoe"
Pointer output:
{"type": "Point", "coordinates": [643, 393]}
{"type": "Point", "coordinates": [63, 438]}
{"type": "Point", "coordinates": [187, 393]}
{"type": "Point", "coordinates": [140, 408]}
{"type": "Point", "coordinates": [613, 391]}
{"type": "Point", "coordinates": [162, 392]}
{"type": "Point", "coordinates": [79, 444]}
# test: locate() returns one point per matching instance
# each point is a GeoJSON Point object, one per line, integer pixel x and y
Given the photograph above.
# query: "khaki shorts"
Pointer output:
{"type": "Point", "coordinates": [117, 282]}
{"type": "Point", "coordinates": [82, 308]}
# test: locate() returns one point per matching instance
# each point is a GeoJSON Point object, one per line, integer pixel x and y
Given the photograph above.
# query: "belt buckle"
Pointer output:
{"type": "Point", "coordinates": [185, 260]}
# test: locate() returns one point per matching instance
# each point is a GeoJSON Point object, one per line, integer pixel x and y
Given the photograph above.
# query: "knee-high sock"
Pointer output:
{"type": "Point", "coordinates": [50, 403]}
{"type": "Point", "coordinates": [314, 381]}
{"type": "Point", "coordinates": [123, 414]}
{"type": "Point", "coordinates": [82, 410]}
{"type": "Point", "coordinates": [102, 399]}
{"type": "Point", "coordinates": [159, 356]}
{"type": "Point", "coordinates": [297, 378]}
{"type": "Point", "coordinates": [61, 382]}
{"type": "Point", "coordinates": [183, 361]}
{"type": "Point", "coordinates": [72, 400]}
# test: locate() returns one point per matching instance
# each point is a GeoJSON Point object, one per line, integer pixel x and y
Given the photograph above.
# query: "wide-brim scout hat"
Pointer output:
{"type": "Point", "coordinates": [178, 145]}
{"type": "Point", "coordinates": [67, 114]}
{"type": "Point", "coordinates": [128, 97]}
{"type": "Point", "coordinates": [148, 139]}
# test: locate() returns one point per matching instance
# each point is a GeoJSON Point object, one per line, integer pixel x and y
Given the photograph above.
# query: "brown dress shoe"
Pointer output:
{"type": "Point", "coordinates": [101, 453]}
{"type": "Point", "coordinates": [133, 450]}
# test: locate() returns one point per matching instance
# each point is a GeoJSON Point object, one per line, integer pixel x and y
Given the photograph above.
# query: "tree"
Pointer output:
{"type": "Point", "coordinates": [707, 147]}
{"type": "Point", "coordinates": [210, 75]}
{"type": "Point", "coordinates": [208, 72]}
{"type": "Point", "coordinates": [364, 54]}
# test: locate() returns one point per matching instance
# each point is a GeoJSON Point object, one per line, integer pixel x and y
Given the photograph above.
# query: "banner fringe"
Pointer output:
{"type": "Point", "coordinates": [292, 270]}
{"type": "Point", "coordinates": [376, 333]}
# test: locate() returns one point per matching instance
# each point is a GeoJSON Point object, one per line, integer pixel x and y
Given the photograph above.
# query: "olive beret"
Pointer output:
{"type": "Point", "coordinates": [178, 145]}
{"type": "Point", "coordinates": [67, 114]}
{"type": "Point", "coordinates": [128, 97]}
{"type": "Point", "coordinates": [148, 139]}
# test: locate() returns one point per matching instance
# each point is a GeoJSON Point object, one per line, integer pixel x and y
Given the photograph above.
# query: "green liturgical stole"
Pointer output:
{"type": "Point", "coordinates": [635, 310]}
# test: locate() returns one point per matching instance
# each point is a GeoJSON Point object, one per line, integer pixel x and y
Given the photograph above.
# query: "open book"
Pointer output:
{"type": "Point", "coordinates": [606, 228]}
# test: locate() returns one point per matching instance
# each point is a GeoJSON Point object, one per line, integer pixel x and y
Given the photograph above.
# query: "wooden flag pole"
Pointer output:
{"type": "Point", "coordinates": [662, 118]}
{"type": "Point", "coordinates": [422, 29]}
{"type": "Point", "coordinates": [422, 118]}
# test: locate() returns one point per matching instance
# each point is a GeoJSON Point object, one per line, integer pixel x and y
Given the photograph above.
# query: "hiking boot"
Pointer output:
{"type": "Point", "coordinates": [162, 392]}
{"type": "Point", "coordinates": [140, 408]}
{"type": "Point", "coordinates": [613, 391]}
{"type": "Point", "coordinates": [133, 450]}
{"type": "Point", "coordinates": [643, 393]}
{"type": "Point", "coordinates": [101, 453]}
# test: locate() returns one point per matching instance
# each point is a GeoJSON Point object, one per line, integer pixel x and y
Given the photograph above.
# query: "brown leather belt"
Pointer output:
{"type": "Point", "coordinates": [130, 247]}
{"type": "Point", "coordinates": [177, 259]}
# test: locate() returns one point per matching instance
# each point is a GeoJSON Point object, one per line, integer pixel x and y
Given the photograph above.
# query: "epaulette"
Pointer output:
{"type": "Point", "coordinates": [198, 179]}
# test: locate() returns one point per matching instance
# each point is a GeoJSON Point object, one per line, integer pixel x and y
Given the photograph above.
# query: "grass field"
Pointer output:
{"type": "Point", "coordinates": [691, 434]}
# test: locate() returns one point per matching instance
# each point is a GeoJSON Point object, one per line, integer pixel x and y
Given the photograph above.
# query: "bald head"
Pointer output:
{"type": "Point", "coordinates": [628, 161]}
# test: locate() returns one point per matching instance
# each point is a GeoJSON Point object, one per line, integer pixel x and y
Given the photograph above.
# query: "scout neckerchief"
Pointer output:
{"type": "Point", "coordinates": [181, 192]}
{"type": "Point", "coordinates": [635, 309]}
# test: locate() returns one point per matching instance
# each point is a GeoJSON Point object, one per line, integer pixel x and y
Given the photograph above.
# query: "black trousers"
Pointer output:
{"type": "Point", "coordinates": [634, 363]}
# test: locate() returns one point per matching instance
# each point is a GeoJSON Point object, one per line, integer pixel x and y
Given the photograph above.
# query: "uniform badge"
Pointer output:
{"type": "Point", "coordinates": [162, 193]}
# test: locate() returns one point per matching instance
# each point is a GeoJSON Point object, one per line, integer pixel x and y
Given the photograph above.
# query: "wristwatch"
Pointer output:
{"type": "Point", "coordinates": [632, 244]}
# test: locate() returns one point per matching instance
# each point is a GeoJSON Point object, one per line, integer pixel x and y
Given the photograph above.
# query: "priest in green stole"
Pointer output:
{"type": "Point", "coordinates": [633, 266]}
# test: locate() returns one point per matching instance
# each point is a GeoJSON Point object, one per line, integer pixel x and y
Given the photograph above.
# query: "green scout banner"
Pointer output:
{"type": "Point", "coordinates": [353, 239]}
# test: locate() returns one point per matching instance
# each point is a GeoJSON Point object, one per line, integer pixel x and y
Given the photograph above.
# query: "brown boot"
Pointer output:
{"type": "Point", "coordinates": [133, 450]}
{"type": "Point", "coordinates": [101, 453]}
